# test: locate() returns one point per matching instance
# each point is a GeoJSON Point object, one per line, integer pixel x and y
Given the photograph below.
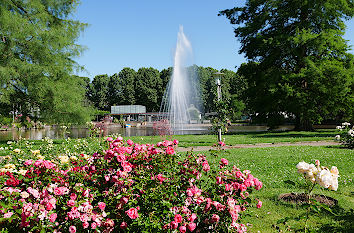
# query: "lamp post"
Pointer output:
{"type": "Point", "coordinates": [218, 76]}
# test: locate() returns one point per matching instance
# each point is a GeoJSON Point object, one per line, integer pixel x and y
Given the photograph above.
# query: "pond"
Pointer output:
{"type": "Point", "coordinates": [82, 132]}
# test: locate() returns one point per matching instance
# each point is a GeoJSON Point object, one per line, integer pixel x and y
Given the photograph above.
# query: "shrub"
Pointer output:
{"type": "Point", "coordinates": [346, 135]}
{"type": "Point", "coordinates": [128, 187]}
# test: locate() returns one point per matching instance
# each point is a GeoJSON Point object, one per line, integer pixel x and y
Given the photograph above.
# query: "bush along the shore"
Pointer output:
{"type": "Point", "coordinates": [126, 188]}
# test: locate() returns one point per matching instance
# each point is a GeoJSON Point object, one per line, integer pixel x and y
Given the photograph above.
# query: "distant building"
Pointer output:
{"type": "Point", "coordinates": [133, 113]}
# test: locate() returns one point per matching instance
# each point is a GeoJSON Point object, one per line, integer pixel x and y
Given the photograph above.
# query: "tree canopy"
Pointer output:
{"type": "Point", "coordinates": [37, 47]}
{"type": "Point", "coordinates": [299, 63]}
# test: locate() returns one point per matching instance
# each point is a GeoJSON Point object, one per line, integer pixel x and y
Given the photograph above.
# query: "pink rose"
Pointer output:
{"type": "Point", "coordinates": [191, 226]}
{"type": "Point", "coordinates": [72, 229]}
{"type": "Point", "coordinates": [170, 150]}
{"type": "Point", "coordinates": [123, 225]}
{"type": "Point", "coordinates": [73, 196]}
{"type": "Point", "coordinates": [130, 142]}
{"type": "Point", "coordinates": [93, 225]}
{"type": "Point", "coordinates": [175, 142]}
{"type": "Point", "coordinates": [224, 162]}
{"type": "Point", "coordinates": [182, 229]}
{"type": "Point", "coordinates": [53, 217]}
{"type": "Point", "coordinates": [259, 204]}
{"type": "Point", "coordinates": [58, 191]}
{"type": "Point", "coordinates": [109, 139]}
{"type": "Point", "coordinates": [119, 139]}
{"type": "Point", "coordinates": [85, 225]}
{"type": "Point", "coordinates": [222, 143]}
{"type": "Point", "coordinates": [174, 225]}
{"type": "Point", "coordinates": [28, 162]}
{"type": "Point", "coordinates": [49, 206]}
{"type": "Point", "coordinates": [8, 214]}
{"type": "Point", "coordinates": [38, 162]}
{"type": "Point", "coordinates": [206, 166]}
{"type": "Point", "coordinates": [132, 213]}
{"type": "Point", "coordinates": [178, 218]}
{"type": "Point", "coordinates": [47, 164]}
{"type": "Point", "coordinates": [215, 218]}
{"type": "Point", "coordinates": [192, 217]}
{"type": "Point", "coordinates": [101, 205]}
{"type": "Point", "coordinates": [71, 203]}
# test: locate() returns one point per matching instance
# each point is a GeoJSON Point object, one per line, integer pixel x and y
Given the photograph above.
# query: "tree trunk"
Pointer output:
{"type": "Point", "coordinates": [303, 124]}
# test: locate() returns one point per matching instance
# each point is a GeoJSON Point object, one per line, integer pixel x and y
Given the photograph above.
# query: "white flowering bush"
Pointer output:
{"type": "Point", "coordinates": [346, 135]}
{"type": "Point", "coordinates": [316, 174]}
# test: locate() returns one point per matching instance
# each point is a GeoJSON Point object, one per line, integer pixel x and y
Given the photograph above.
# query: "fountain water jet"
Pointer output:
{"type": "Point", "coordinates": [181, 103]}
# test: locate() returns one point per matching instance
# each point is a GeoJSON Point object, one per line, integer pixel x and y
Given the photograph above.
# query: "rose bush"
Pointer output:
{"type": "Point", "coordinates": [346, 135]}
{"type": "Point", "coordinates": [128, 187]}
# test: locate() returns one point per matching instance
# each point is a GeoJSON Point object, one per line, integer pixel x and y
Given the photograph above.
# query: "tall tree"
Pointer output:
{"type": "Point", "coordinates": [37, 47]}
{"type": "Point", "coordinates": [98, 92]}
{"type": "Point", "coordinates": [148, 86]}
{"type": "Point", "coordinates": [298, 60]}
{"type": "Point", "coordinates": [127, 78]}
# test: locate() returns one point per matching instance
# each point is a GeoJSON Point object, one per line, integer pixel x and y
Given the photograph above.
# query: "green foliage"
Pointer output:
{"type": "Point", "coordinates": [148, 87]}
{"type": "Point", "coordinates": [37, 43]}
{"type": "Point", "coordinates": [98, 92]}
{"type": "Point", "coordinates": [298, 60]}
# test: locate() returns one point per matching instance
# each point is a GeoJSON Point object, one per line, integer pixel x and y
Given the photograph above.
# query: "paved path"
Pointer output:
{"type": "Point", "coordinates": [261, 145]}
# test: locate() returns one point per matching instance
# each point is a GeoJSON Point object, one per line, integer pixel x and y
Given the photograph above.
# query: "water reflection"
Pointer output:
{"type": "Point", "coordinates": [77, 132]}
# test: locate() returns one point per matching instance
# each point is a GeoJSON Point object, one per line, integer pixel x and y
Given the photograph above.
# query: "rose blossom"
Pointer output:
{"type": "Point", "coordinates": [123, 225]}
{"type": "Point", "coordinates": [182, 229]}
{"type": "Point", "coordinates": [170, 150]}
{"type": "Point", "coordinates": [174, 225]}
{"type": "Point", "coordinates": [58, 191]}
{"type": "Point", "coordinates": [206, 166]}
{"type": "Point", "coordinates": [259, 204]}
{"type": "Point", "coordinates": [8, 214]}
{"type": "Point", "coordinates": [178, 218]}
{"type": "Point", "coordinates": [101, 205]}
{"type": "Point", "coordinates": [224, 161]}
{"type": "Point", "coordinates": [85, 225]}
{"type": "Point", "coordinates": [215, 218]}
{"type": "Point", "coordinates": [191, 226]}
{"type": "Point", "coordinates": [72, 229]}
{"type": "Point", "coordinates": [71, 203]}
{"type": "Point", "coordinates": [132, 213]}
{"type": "Point", "coordinates": [53, 217]}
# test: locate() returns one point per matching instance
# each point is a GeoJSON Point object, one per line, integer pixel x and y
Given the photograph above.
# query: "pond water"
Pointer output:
{"type": "Point", "coordinates": [77, 132]}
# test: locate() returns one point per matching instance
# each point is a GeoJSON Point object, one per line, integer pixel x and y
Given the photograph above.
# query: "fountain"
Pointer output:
{"type": "Point", "coordinates": [181, 104]}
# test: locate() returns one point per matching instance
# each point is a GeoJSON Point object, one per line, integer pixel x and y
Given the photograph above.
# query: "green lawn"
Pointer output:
{"type": "Point", "coordinates": [245, 138]}
{"type": "Point", "coordinates": [275, 165]}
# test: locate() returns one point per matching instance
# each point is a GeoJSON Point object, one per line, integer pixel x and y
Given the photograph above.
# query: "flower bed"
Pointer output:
{"type": "Point", "coordinates": [128, 187]}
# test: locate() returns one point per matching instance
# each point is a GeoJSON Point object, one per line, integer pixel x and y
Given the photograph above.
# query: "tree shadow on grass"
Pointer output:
{"type": "Point", "coordinates": [343, 220]}
{"type": "Point", "coordinates": [287, 134]}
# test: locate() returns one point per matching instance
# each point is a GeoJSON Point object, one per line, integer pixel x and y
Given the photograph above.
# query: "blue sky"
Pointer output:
{"type": "Point", "coordinates": [141, 33]}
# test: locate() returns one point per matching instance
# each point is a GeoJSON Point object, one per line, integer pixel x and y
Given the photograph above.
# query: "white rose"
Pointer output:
{"type": "Point", "coordinates": [324, 178]}
{"type": "Point", "coordinates": [334, 171]}
{"type": "Point", "coordinates": [64, 159]}
{"type": "Point", "coordinates": [334, 184]}
{"type": "Point", "coordinates": [337, 137]}
{"type": "Point", "coordinates": [302, 167]}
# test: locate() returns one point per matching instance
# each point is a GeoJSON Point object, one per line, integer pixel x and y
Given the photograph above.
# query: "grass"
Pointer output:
{"type": "Point", "coordinates": [245, 138]}
{"type": "Point", "coordinates": [273, 166]}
